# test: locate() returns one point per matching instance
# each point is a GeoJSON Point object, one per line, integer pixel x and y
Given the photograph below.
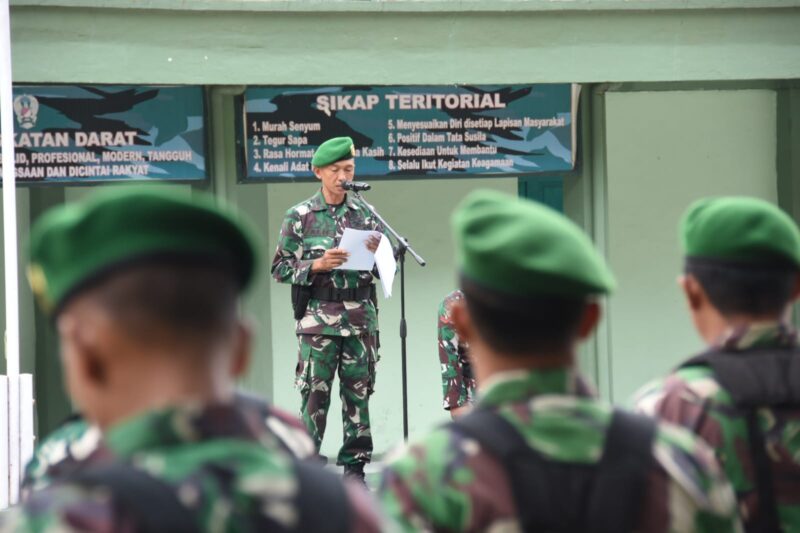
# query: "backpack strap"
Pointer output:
{"type": "Point", "coordinates": [755, 378]}
{"type": "Point", "coordinates": [766, 516]}
{"type": "Point", "coordinates": [554, 496]}
{"type": "Point", "coordinates": [317, 485]}
{"type": "Point", "coordinates": [153, 503]}
{"type": "Point", "coordinates": [523, 465]}
{"type": "Point", "coordinates": [765, 378]}
{"type": "Point", "coordinates": [621, 478]}
{"type": "Point", "coordinates": [702, 359]}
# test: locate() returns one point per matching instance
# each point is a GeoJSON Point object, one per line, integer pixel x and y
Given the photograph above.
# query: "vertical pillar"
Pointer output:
{"type": "Point", "coordinates": [788, 156]}
{"type": "Point", "coordinates": [52, 403]}
{"type": "Point", "coordinates": [10, 253]}
{"type": "Point", "coordinates": [4, 448]}
{"type": "Point", "coordinates": [788, 150]}
{"type": "Point", "coordinates": [597, 220]}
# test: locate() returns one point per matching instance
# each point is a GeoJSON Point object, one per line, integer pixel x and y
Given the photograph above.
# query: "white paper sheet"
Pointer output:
{"type": "Point", "coordinates": [387, 266]}
{"type": "Point", "coordinates": [355, 242]}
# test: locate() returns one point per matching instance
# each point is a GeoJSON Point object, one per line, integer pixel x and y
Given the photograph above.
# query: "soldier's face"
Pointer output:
{"type": "Point", "coordinates": [332, 176]}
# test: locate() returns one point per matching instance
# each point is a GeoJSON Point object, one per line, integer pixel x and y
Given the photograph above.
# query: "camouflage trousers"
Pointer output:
{"type": "Point", "coordinates": [319, 358]}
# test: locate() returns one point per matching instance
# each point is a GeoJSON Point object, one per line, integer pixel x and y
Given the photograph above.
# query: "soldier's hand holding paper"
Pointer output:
{"type": "Point", "coordinates": [358, 243]}
{"type": "Point", "coordinates": [331, 259]}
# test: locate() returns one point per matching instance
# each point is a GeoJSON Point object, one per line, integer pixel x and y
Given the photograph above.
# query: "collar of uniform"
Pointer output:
{"type": "Point", "coordinates": [350, 200]}
{"type": "Point", "coordinates": [515, 385]}
{"type": "Point", "coordinates": [177, 425]}
{"type": "Point", "coordinates": [318, 203]}
{"type": "Point", "coordinates": [758, 335]}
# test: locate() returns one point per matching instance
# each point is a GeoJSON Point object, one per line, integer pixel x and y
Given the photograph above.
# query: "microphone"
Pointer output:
{"type": "Point", "coordinates": [356, 186]}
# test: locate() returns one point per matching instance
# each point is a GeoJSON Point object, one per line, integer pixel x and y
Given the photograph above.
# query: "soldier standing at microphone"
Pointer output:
{"type": "Point", "coordinates": [335, 309]}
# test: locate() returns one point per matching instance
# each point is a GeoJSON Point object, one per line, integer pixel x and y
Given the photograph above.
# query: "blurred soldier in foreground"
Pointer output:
{"type": "Point", "coordinates": [458, 383]}
{"type": "Point", "coordinates": [143, 286]}
{"type": "Point", "coordinates": [537, 453]}
{"type": "Point", "coordinates": [742, 395]}
{"type": "Point", "coordinates": [335, 309]}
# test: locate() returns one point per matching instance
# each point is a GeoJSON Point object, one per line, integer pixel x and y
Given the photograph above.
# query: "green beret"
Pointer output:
{"type": "Point", "coordinates": [73, 244]}
{"type": "Point", "coordinates": [522, 248]}
{"type": "Point", "coordinates": [333, 150]}
{"type": "Point", "coordinates": [739, 228]}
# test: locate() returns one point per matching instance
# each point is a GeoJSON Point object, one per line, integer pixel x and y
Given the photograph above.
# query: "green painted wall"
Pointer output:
{"type": "Point", "coordinates": [260, 41]}
{"type": "Point", "coordinates": [664, 150]}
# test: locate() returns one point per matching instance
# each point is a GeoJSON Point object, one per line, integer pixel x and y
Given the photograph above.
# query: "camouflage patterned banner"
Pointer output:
{"type": "Point", "coordinates": [80, 134]}
{"type": "Point", "coordinates": [411, 130]}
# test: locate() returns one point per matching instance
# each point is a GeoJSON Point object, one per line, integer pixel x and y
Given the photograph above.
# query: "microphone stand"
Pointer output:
{"type": "Point", "coordinates": [402, 248]}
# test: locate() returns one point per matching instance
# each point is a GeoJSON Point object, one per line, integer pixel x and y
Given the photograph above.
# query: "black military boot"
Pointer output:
{"type": "Point", "coordinates": [355, 472]}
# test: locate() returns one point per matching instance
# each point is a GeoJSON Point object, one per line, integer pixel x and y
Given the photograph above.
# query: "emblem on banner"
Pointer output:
{"type": "Point", "coordinates": [38, 282]}
{"type": "Point", "coordinates": [26, 107]}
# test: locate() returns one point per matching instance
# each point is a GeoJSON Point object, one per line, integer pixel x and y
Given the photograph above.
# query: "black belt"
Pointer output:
{"type": "Point", "coordinates": [340, 295]}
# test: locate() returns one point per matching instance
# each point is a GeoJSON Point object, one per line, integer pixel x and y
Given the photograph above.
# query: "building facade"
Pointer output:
{"type": "Point", "coordinates": [678, 100]}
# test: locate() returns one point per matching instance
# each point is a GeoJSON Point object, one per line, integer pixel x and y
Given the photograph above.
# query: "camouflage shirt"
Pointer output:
{"type": "Point", "coordinates": [61, 452]}
{"type": "Point", "coordinates": [447, 482]}
{"type": "Point", "coordinates": [458, 383]}
{"type": "Point", "coordinates": [310, 228]}
{"type": "Point", "coordinates": [213, 457]}
{"type": "Point", "coordinates": [692, 398]}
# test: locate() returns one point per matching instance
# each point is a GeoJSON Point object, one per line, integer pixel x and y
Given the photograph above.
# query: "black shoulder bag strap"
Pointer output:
{"type": "Point", "coordinates": [529, 485]}
{"type": "Point", "coordinates": [766, 519]}
{"type": "Point", "coordinates": [323, 501]}
{"type": "Point", "coordinates": [153, 503]}
{"type": "Point", "coordinates": [613, 504]}
{"type": "Point", "coordinates": [621, 478]}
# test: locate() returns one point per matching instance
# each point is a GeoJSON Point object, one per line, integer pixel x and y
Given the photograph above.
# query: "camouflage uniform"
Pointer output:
{"type": "Point", "coordinates": [58, 454]}
{"type": "Point", "coordinates": [64, 450]}
{"type": "Point", "coordinates": [691, 397]}
{"type": "Point", "coordinates": [458, 383]}
{"type": "Point", "coordinates": [331, 334]}
{"type": "Point", "coordinates": [446, 482]}
{"type": "Point", "coordinates": [215, 460]}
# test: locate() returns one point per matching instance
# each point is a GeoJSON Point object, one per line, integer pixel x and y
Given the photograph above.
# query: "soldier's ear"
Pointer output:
{"type": "Point", "coordinates": [462, 321]}
{"type": "Point", "coordinates": [693, 291]}
{"type": "Point", "coordinates": [796, 289]}
{"type": "Point", "coordinates": [242, 349]}
{"type": "Point", "coordinates": [317, 172]}
{"type": "Point", "coordinates": [591, 317]}
{"type": "Point", "coordinates": [83, 336]}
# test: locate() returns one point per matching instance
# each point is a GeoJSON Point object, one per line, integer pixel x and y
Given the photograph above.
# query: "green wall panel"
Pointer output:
{"type": "Point", "coordinates": [638, 43]}
{"type": "Point", "coordinates": [664, 150]}
{"type": "Point", "coordinates": [258, 305]}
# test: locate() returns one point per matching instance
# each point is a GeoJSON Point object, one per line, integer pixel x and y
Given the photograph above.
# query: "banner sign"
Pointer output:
{"type": "Point", "coordinates": [81, 134]}
{"type": "Point", "coordinates": [412, 130]}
